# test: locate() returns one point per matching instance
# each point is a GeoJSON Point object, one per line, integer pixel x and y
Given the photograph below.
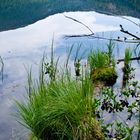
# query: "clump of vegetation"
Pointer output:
{"type": "Point", "coordinates": [62, 109]}
{"type": "Point", "coordinates": [127, 69]}
{"type": "Point", "coordinates": [118, 103]}
{"type": "Point", "coordinates": [102, 66]}
{"type": "Point", "coordinates": [106, 75]}
{"type": "Point", "coordinates": [98, 59]}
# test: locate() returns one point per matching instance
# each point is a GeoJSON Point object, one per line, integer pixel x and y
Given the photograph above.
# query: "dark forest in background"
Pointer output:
{"type": "Point", "coordinates": [19, 13]}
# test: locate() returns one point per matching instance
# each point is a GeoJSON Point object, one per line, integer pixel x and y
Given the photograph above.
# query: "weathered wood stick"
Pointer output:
{"type": "Point", "coordinates": [126, 32]}
{"type": "Point", "coordinates": [131, 59]}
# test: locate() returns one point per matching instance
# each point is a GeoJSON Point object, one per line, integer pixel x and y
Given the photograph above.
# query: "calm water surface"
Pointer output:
{"type": "Point", "coordinates": [24, 47]}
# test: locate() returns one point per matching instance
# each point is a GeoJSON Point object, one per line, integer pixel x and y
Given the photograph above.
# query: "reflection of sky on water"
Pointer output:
{"type": "Point", "coordinates": [24, 47]}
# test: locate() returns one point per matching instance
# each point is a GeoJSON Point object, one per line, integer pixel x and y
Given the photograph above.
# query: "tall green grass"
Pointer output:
{"type": "Point", "coordinates": [64, 108]}
{"type": "Point", "coordinates": [102, 65]}
{"type": "Point", "coordinates": [110, 47]}
{"type": "Point", "coordinates": [98, 59]}
{"type": "Point", "coordinates": [61, 110]}
{"type": "Point", "coordinates": [127, 69]}
{"type": "Point", "coordinates": [128, 55]}
{"type": "Point", "coordinates": [101, 59]}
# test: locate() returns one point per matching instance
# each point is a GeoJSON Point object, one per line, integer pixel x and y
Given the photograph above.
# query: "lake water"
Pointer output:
{"type": "Point", "coordinates": [24, 47]}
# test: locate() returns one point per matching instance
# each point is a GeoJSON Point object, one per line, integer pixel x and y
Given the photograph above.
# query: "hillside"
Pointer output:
{"type": "Point", "coordinates": [19, 13]}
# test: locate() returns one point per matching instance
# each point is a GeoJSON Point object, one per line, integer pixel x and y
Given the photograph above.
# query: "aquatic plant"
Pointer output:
{"type": "Point", "coordinates": [118, 103]}
{"type": "Point", "coordinates": [127, 69]}
{"type": "Point", "coordinates": [128, 55]}
{"type": "Point", "coordinates": [66, 108]}
{"type": "Point", "coordinates": [106, 75]}
{"type": "Point", "coordinates": [110, 47]}
{"type": "Point", "coordinates": [102, 66]}
{"type": "Point", "coordinates": [62, 109]}
{"type": "Point", "coordinates": [51, 67]}
{"type": "Point", "coordinates": [98, 59]}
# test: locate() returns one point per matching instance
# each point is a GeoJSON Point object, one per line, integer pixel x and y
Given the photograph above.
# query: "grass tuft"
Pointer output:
{"type": "Point", "coordinates": [61, 110]}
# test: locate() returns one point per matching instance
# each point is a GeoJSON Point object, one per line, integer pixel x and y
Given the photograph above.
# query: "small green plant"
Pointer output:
{"type": "Point", "coordinates": [110, 47]}
{"type": "Point", "coordinates": [51, 67]}
{"type": "Point", "coordinates": [128, 55]}
{"type": "Point", "coordinates": [102, 66]}
{"type": "Point", "coordinates": [98, 59]}
{"type": "Point", "coordinates": [116, 102]}
{"type": "Point", "coordinates": [127, 69]}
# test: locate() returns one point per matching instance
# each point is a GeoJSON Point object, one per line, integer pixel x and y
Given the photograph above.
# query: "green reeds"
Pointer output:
{"type": "Point", "coordinates": [65, 109]}
{"type": "Point", "coordinates": [128, 55]}
{"type": "Point", "coordinates": [98, 59]}
{"type": "Point", "coordinates": [127, 69]}
{"type": "Point", "coordinates": [62, 110]}
{"type": "Point", "coordinates": [51, 67]}
{"type": "Point", "coordinates": [110, 47]}
{"type": "Point", "coordinates": [102, 66]}
{"type": "Point", "coordinates": [101, 59]}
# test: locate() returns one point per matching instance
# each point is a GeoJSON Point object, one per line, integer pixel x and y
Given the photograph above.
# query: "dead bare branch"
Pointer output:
{"type": "Point", "coordinates": [92, 36]}
{"type": "Point", "coordinates": [131, 59]}
{"type": "Point", "coordinates": [131, 34]}
{"type": "Point", "coordinates": [80, 23]}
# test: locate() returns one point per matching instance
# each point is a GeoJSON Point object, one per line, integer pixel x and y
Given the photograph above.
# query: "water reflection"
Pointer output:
{"type": "Point", "coordinates": [24, 47]}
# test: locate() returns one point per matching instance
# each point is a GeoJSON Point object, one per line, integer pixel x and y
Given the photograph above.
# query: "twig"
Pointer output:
{"type": "Point", "coordinates": [131, 59]}
{"type": "Point", "coordinates": [126, 32]}
{"type": "Point", "coordinates": [92, 36]}
{"type": "Point", "coordinates": [80, 23]}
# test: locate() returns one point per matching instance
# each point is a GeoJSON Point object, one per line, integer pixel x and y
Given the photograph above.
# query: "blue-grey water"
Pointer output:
{"type": "Point", "coordinates": [23, 48]}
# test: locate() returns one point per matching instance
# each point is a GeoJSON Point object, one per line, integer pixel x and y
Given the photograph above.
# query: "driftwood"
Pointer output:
{"type": "Point", "coordinates": [131, 34]}
{"type": "Point", "coordinates": [79, 23]}
{"type": "Point", "coordinates": [126, 32]}
{"type": "Point", "coordinates": [131, 59]}
{"type": "Point", "coordinates": [93, 36]}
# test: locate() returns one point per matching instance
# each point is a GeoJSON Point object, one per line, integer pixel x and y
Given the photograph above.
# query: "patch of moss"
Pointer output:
{"type": "Point", "coordinates": [91, 130]}
{"type": "Point", "coordinates": [107, 75]}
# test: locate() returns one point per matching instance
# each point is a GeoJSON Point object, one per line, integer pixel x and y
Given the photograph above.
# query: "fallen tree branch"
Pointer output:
{"type": "Point", "coordinates": [80, 23]}
{"type": "Point", "coordinates": [92, 36]}
{"type": "Point", "coordinates": [131, 59]}
{"type": "Point", "coordinates": [126, 32]}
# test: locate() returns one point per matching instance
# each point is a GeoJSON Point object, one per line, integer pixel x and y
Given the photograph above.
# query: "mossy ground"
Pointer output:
{"type": "Point", "coordinates": [107, 75]}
